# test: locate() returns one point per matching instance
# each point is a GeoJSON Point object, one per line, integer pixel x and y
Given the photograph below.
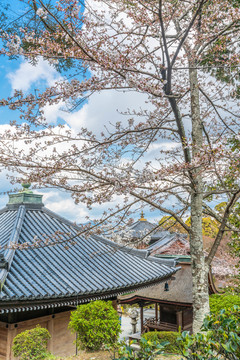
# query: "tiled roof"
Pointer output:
{"type": "Point", "coordinates": [167, 240]}
{"type": "Point", "coordinates": [91, 268]}
{"type": "Point", "coordinates": [159, 237]}
{"type": "Point", "coordinates": [141, 228]}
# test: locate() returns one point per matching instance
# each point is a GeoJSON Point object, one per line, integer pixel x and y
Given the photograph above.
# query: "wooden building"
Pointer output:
{"type": "Point", "coordinates": [172, 300]}
{"type": "Point", "coordinates": [42, 285]}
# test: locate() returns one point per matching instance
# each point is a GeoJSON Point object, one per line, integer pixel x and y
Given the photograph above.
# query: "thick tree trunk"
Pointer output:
{"type": "Point", "coordinates": [199, 266]}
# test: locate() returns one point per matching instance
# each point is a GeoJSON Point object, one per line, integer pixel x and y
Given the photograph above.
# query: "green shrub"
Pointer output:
{"type": "Point", "coordinates": [225, 301]}
{"type": "Point", "coordinates": [148, 350]}
{"type": "Point", "coordinates": [31, 344]}
{"type": "Point", "coordinates": [162, 336]}
{"type": "Point", "coordinates": [96, 324]}
{"type": "Point", "coordinates": [220, 339]}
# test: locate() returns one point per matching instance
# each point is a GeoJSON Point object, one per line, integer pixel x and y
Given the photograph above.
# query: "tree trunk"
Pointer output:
{"type": "Point", "coordinates": [199, 266]}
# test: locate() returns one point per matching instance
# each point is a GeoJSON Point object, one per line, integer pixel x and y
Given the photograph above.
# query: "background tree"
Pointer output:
{"type": "Point", "coordinates": [157, 49]}
{"type": "Point", "coordinates": [209, 225]}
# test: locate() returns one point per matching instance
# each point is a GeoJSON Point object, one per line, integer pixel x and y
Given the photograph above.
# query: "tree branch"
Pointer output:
{"type": "Point", "coordinates": [221, 230]}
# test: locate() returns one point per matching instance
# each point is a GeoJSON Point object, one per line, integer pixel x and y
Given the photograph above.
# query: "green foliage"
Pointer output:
{"type": "Point", "coordinates": [148, 350]}
{"type": "Point", "coordinates": [32, 344]}
{"type": "Point", "coordinates": [220, 339]}
{"type": "Point", "coordinates": [209, 226]}
{"type": "Point", "coordinates": [226, 301]}
{"type": "Point", "coordinates": [161, 336]}
{"type": "Point", "coordinates": [220, 208]}
{"type": "Point", "coordinates": [13, 19]}
{"type": "Point", "coordinates": [96, 324]}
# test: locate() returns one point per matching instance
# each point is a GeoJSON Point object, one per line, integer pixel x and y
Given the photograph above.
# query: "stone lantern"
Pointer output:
{"type": "Point", "coordinates": [134, 319]}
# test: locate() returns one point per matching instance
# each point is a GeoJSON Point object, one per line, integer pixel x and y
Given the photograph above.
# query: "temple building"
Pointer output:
{"type": "Point", "coordinates": [47, 268]}
{"type": "Point", "coordinates": [173, 301]}
{"type": "Point", "coordinates": [144, 233]}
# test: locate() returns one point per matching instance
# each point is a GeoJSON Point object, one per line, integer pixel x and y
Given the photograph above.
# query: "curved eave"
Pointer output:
{"type": "Point", "coordinates": [136, 299]}
{"type": "Point", "coordinates": [29, 304]}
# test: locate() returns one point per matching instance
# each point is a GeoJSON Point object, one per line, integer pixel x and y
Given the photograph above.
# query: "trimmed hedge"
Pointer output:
{"type": "Point", "coordinates": [32, 344]}
{"type": "Point", "coordinates": [224, 301]}
{"type": "Point", "coordinates": [96, 324]}
{"type": "Point", "coordinates": [161, 336]}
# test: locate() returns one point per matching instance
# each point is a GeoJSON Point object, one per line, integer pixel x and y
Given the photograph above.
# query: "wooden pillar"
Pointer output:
{"type": "Point", "coordinates": [156, 312]}
{"type": "Point", "coordinates": [180, 319]}
{"type": "Point", "coordinates": [12, 332]}
{"type": "Point", "coordinates": [141, 317]}
{"type": "Point", "coordinates": [9, 343]}
{"type": "Point", "coordinates": [114, 304]}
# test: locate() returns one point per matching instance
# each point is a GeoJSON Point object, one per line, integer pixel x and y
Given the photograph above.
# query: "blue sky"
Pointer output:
{"type": "Point", "coordinates": [100, 109]}
{"type": "Point", "coordinates": [18, 74]}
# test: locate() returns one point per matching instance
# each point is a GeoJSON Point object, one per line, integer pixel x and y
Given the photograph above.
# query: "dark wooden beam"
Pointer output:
{"type": "Point", "coordinates": [180, 319]}
{"type": "Point", "coordinates": [141, 317]}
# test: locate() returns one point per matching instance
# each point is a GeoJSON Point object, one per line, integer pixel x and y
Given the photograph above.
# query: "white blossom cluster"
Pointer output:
{"type": "Point", "coordinates": [42, 13]}
{"type": "Point", "coordinates": [125, 237]}
{"type": "Point", "coordinates": [222, 268]}
{"type": "Point", "coordinates": [14, 45]}
{"type": "Point", "coordinates": [53, 61]}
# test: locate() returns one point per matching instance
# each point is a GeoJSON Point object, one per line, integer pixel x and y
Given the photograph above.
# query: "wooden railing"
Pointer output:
{"type": "Point", "coordinates": [152, 323]}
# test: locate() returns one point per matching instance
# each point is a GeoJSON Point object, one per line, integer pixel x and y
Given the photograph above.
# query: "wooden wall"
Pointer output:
{"type": "Point", "coordinates": [3, 342]}
{"type": "Point", "coordinates": [168, 314]}
{"type": "Point", "coordinates": [188, 319]}
{"type": "Point", "coordinates": [60, 344]}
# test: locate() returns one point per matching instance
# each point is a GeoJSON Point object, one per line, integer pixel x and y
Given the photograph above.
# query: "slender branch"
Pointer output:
{"type": "Point", "coordinates": [187, 32]}
{"type": "Point", "coordinates": [217, 112]}
{"type": "Point", "coordinates": [216, 37]}
{"type": "Point", "coordinates": [221, 230]}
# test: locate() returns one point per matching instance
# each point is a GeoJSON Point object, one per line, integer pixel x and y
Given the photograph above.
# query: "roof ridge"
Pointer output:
{"type": "Point", "coordinates": [9, 253]}
{"type": "Point", "coordinates": [143, 253]}
{"type": "Point", "coordinates": [5, 209]}
{"type": "Point", "coordinates": [140, 222]}
{"type": "Point", "coordinates": [63, 219]}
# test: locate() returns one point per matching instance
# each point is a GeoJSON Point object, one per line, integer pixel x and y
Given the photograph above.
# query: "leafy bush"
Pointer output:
{"type": "Point", "coordinates": [148, 350]}
{"type": "Point", "coordinates": [225, 301]}
{"type": "Point", "coordinates": [161, 336]}
{"type": "Point", "coordinates": [32, 344]}
{"type": "Point", "coordinates": [96, 324]}
{"type": "Point", "coordinates": [220, 340]}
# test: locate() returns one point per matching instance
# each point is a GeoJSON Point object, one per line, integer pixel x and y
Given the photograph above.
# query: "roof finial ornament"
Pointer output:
{"type": "Point", "coordinates": [26, 187]}
{"type": "Point", "coordinates": [142, 217]}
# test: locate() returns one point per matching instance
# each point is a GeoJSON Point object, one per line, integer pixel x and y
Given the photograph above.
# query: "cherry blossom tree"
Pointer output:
{"type": "Point", "coordinates": [172, 147]}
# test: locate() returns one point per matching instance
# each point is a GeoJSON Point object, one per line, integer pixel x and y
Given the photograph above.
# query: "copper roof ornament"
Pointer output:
{"type": "Point", "coordinates": [25, 188]}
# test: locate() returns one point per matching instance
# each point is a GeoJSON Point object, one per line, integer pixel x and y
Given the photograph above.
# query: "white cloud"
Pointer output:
{"type": "Point", "coordinates": [27, 75]}
{"type": "Point", "coordinates": [105, 108]}
{"type": "Point", "coordinates": [67, 208]}
{"type": "Point", "coordinates": [53, 112]}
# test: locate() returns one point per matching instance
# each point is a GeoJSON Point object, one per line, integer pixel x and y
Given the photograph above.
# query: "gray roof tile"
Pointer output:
{"type": "Point", "coordinates": [91, 266]}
